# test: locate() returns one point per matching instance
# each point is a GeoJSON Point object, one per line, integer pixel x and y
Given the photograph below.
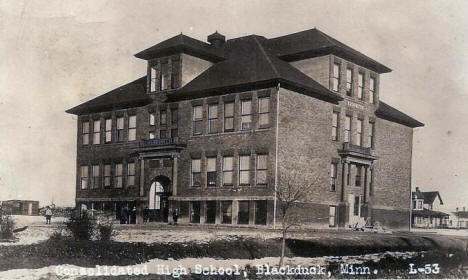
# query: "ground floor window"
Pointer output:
{"type": "Point", "coordinates": [226, 212]}
{"type": "Point", "coordinates": [332, 216]}
{"type": "Point", "coordinates": [260, 212]}
{"type": "Point", "coordinates": [195, 212]}
{"type": "Point", "coordinates": [243, 214]}
{"type": "Point", "coordinates": [210, 212]}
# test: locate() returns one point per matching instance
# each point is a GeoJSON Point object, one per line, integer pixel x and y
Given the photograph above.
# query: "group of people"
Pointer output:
{"type": "Point", "coordinates": [147, 215]}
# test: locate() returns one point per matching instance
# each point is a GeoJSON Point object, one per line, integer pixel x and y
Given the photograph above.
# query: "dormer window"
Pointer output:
{"type": "Point", "coordinates": [164, 77]}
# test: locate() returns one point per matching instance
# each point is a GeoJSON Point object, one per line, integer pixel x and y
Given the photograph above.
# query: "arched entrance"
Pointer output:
{"type": "Point", "coordinates": [158, 203]}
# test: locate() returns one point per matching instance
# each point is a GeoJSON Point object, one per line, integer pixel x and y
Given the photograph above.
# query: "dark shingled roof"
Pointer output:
{"type": "Point", "coordinates": [389, 113]}
{"type": "Point", "coordinates": [132, 94]}
{"type": "Point", "coordinates": [250, 65]}
{"type": "Point", "coordinates": [428, 197]}
{"type": "Point", "coordinates": [313, 42]}
{"type": "Point", "coordinates": [182, 44]}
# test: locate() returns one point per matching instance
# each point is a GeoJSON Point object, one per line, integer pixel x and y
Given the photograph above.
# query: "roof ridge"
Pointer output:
{"type": "Point", "coordinates": [267, 57]}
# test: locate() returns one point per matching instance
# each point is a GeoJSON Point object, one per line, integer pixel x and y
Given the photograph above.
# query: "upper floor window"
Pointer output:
{"type": "Point", "coordinates": [120, 129]}
{"type": "Point", "coordinates": [85, 132]}
{"type": "Point", "coordinates": [154, 79]}
{"type": "Point", "coordinates": [95, 176]}
{"type": "Point", "coordinates": [164, 76]}
{"type": "Point", "coordinates": [246, 114]}
{"type": "Point", "coordinates": [97, 132]}
{"type": "Point", "coordinates": [371, 134]}
{"type": "Point", "coordinates": [108, 128]}
{"type": "Point", "coordinates": [349, 81]}
{"type": "Point", "coordinates": [152, 135]}
{"type": "Point", "coordinates": [118, 175]}
{"type": "Point", "coordinates": [196, 173]}
{"type": "Point", "coordinates": [131, 174]}
{"type": "Point", "coordinates": [263, 112]}
{"type": "Point", "coordinates": [107, 176]}
{"type": "Point", "coordinates": [227, 170]}
{"type": "Point", "coordinates": [262, 168]}
{"type": "Point", "coordinates": [336, 76]}
{"type": "Point", "coordinates": [162, 117]}
{"type": "Point", "coordinates": [84, 177]}
{"type": "Point", "coordinates": [211, 171]}
{"type": "Point", "coordinates": [347, 131]}
{"type": "Point", "coordinates": [152, 119]}
{"type": "Point", "coordinates": [359, 132]}
{"type": "Point", "coordinates": [333, 176]}
{"type": "Point", "coordinates": [371, 89]}
{"type": "Point", "coordinates": [420, 204]}
{"type": "Point", "coordinates": [213, 118]}
{"type": "Point", "coordinates": [360, 92]}
{"type": "Point", "coordinates": [174, 116]}
{"type": "Point", "coordinates": [335, 126]}
{"type": "Point", "coordinates": [244, 170]}
{"type": "Point", "coordinates": [228, 116]}
{"type": "Point", "coordinates": [197, 120]}
{"type": "Point", "coordinates": [132, 128]}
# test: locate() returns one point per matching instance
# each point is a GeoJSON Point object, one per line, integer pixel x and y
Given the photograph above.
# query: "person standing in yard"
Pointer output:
{"type": "Point", "coordinates": [48, 215]}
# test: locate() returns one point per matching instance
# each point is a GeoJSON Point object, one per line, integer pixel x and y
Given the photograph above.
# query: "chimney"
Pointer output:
{"type": "Point", "coordinates": [456, 209]}
{"type": "Point", "coordinates": [216, 39]}
{"type": "Point", "coordinates": [417, 189]}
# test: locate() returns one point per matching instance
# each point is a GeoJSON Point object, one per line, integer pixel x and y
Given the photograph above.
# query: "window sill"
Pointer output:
{"type": "Point", "coordinates": [232, 133]}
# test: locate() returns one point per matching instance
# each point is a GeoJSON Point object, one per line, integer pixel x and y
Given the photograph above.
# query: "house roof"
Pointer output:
{"type": "Point", "coordinates": [131, 94]}
{"type": "Point", "coordinates": [429, 197]}
{"type": "Point", "coordinates": [387, 112]}
{"type": "Point", "coordinates": [313, 42]}
{"type": "Point", "coordinates": [248, 65]}
{"type": "Point", "coordinates": [429, 213]}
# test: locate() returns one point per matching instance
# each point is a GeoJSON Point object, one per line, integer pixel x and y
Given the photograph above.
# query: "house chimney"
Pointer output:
{"type": "Point", "coordinates": [216, 39]}
{"type": "Point", "coordinates": [417, 189]}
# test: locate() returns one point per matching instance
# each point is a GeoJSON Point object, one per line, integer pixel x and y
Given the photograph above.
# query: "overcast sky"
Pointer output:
{"type": "Point", "coordinates": [56, 54]}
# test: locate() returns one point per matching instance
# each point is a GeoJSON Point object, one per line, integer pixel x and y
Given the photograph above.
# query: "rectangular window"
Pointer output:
{"type": "Point", "coordinates": [164, 77]}
{"type": "Point", "coordinates": [332, 216]}
{"type": "Point", "coordinates": [358, 178]}
{"type": "Point", "coordinates": [132, 128]}
{"type": "Point", "coordinates": [420, 204]}
{"type": "Point", "coordinates": [154, 78]}
{"type": "Point", "coordinates": [162, 134]}
{"type": "Point", "coordinates": [260, 212]}
{"type": "Point", "coordinates": [371, 134]}
{"type": "Point", "coordinates": [163, 117]}
{"type": "Point", "coordinates": [360, 92]}
{"type": "Point", "coordinates": [84, 177]}
{"type": "Point", "coordinates": [371, 182]}
{"type": "Point", "coordinates": [226, 212]}
{"type": "Point", "coordinates": [174, 116]}
{"type": "Point", "coordinates": [333, 176]}
{"type": "Point", "coordinates": [195, 212]}
{"type": "Point", "coordinates": [246, 114]}
{"type": "Point", "coordinates": [174, 133]}
{"type": "Point", "coordinates": [347, 132]}
{"type": "Point", "coordinates": [108, 131]}
{"type": "Point", "coordinates": [196, 173]}
{"type": "Point", "coordinates": [371, 89]}
{"type": "Point", "coordinates": [95, 175]}
{"type": "Point", "coordinates": [152, 135]}
{"type": "Point", "coordinates": [336, 77]}
{"type": "Point", "coordinates": [107, 176]}
{"type": "Point", "coordinates": [85, 132]}
{"type": "Point", "coordinates": [118, 175]}
{"type": "Point", "coordinates": [244, 170]}
{"type": "Point", "coordinates": [262, 168]}
{"type": "Point", "coordinates": [243, 213]}
{"type": "Point", "coordinates": [229, 117]}
{"type": "Point", "coordinates": [213, 118]}
{"type": "Point", "coordinates": [131, 174]}
{"type": "Point", "coordinates": [152, 119]}
{"type": "Point", "coordinates": [227, 170]}
{"type": "Point", "coordinates": [210, 207]}
{"type": "Point", "coordinates": [97, 132]}
{"type": "Point", "coordinates": [211, 172]}
{"type": "Point", "coordinates": [349, 82]}
{"type": "Point", "coordinates": [359, 132]}
{"type": "Point", "coordinates": [335, 126]}
{"type": "Point", "coordinates": [356, 205]}
{"type": "Point", "coordinates": [120, 129]}
{"type": "Point", "coordinates": [197, 120]}
{"type": "Point", "coordinates": [263, 112]}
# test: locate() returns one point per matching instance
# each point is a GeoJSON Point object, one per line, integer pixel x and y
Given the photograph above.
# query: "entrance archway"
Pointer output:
{"type": "Point", "coordinates": [158, 203]}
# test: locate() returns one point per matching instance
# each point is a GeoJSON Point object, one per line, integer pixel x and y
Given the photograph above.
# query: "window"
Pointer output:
{"type": "Point", "coordinates": [420, 204]}
{"type": "Point", "coordinates": [174, 133]}
{"type": "Point", "coordinates": [118, 175]}
{"type": "Point", "coordinates": [246, 114]}
{"type": "Point", "coordinates": [197, 120]}
{"type": "Point", "coordinates": [371, 89]}
{"type": "Point", "coordinates": [152, 135]}
{"type": "Point", "coordinates": [107, 176]}
{"type": "Point", "coordinates": [359, 133]}
{"type": "Point", "coordinates": [347, 132]}
{"type": "Point", "coordinates": [211, 171]}
{"type": "Point", "coordinates": [260, 212]}
{"type": "Point", "coordinates": [333, 176]}
{"type": "Point", "coordinates": [84, 177]}
{"type": "Point", "coordinates": [243, 213]}
{"type": "Point", "coordinates": [196, 173]}
{"type": "Point", "coordinates": [195, 212]}
{"type": "Point", "coordinates": [356, 205]}
{"type": "Point", "coordinates": [131, 174]}
{"type": "Point", "coordinates": [227, 170]}
{"type": "Point", "coordinates": [335, 126]}
{"type": "Point", "coordinates": [164, 77]}
{"type": "Point", "coordinates": [85, 132]}
{"type": "Point", "coordinates": [132, 128]}
{"type": "Point", "coordinates": [213, 118]}
{"type": "Point", "coordinates": [244, 170]}
{"type": "Point", "coordinates": [263, 112]}
{"type": "Point", "coordinates": [210, 212]}
{"type": "Point", "coordinates": [261, 172]}
{"type": "Point", "coordinates": [414, 204]}
{"type": "Point", "coordinates": [371, 182]}
{"type": "Point", "coordinates": [336, 77]}
{"type": "Point", "coordinates": [120, 129]}
{"type": "Point", "coordinates": [228, 116]}
{"type": "Point", "coordinates": [349, 82]}
{"type": "Point", "coordinates": [371, 134]}
{"type": "Point", "coordinates": [174, 116]}
{"type": "Point", "coordinates": [95, 176]}
{"type": "Point", "coordinates": [163, 117]}
{"type": "Point", "coordinates": [162, 134]}
{"type": "Point", "coordinates": [108, 129]}
{"type": "Point", "coordinates": [358, 178]}
{"type": "Point", "coordinates": [332, 216]}
{"type": "Point", "coordinates": [348, 175]}
{"type": "Point", "coordinates": [152, 119]}
{"type": "Point", "coordinates": [360, 92]}
{"type": "Point", "coordinates": [97, 132]}
{"type": "Point", "coordinates": [175, 73]}
{"type": "Point", "coordinates": [154, 80]}
{"type": "Point", "coordinates": [226, 212]}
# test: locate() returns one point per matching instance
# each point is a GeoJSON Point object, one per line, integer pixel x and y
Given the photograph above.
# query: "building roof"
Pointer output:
{"type": "Point", "coordinates": [131, 94]}
{"type": "Point", "coordinates": [429, 197]}
{"type": "Point", "coordinates": [461, 214]}
{"type": "Point", "coordinates": [249, 65]}
{"type": "Point", "coordinates": [429, 213]}
{"type": "Point", "coordinates": [387, 112]}
{"type": "Point", "coordinates": [182, 44]}
{"type": "Point", "coordinates": [313, 42]}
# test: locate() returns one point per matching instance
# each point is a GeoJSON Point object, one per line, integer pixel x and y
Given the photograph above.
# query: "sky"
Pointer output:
{"type": "Point", "coordinates": [55, 56]}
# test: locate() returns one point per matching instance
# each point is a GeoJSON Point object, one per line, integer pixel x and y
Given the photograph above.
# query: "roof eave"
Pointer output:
{"type": "Point", "coordinates": [148, 54]}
